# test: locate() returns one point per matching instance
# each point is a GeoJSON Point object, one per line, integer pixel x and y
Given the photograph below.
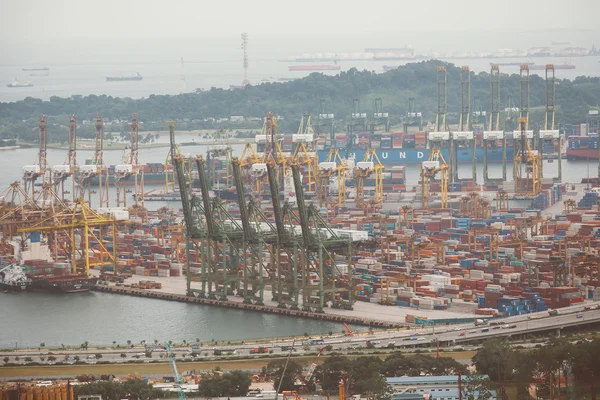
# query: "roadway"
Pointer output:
{"type": "Point", "coordinates": [447, 336]}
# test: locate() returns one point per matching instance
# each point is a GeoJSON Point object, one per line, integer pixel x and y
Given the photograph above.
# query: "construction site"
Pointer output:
{"type": "Point", "coordinates": [323, 221]}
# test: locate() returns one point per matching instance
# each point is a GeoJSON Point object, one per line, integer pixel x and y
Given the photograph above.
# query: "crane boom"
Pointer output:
{"type": "Point", "coordinates": [178, 380]}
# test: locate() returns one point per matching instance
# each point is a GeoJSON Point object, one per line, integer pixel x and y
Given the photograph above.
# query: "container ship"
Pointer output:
{"type": "Point", "coordinates": [37, 69]}
{"type": "Point", "coordinates": [398, 148]}
{"type": "Point", "coordinates": [70, 283]}
{"type": "Point", "coordinates": [14, 279]}
{"type": "Point", "coordinates": [136, 77]}
{"type": "Point", "coordinates": [582, 147]}
{"type": "Point", "coordinates": [16, 84]}
{"type": "Point", "coordinates": [556, 66]}
{"type": "Point", "coordinates": [320, 67]}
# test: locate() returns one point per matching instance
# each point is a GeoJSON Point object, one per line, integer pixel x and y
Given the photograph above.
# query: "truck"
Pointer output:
{"type": "Point", "coordinates": [259, 350]}
{"type": "Point", "coordinates": [480, 322]}
{"type": "Point", "coordinates": [316, 341]}
{"type": "Point", "coordinates": [552, 313]}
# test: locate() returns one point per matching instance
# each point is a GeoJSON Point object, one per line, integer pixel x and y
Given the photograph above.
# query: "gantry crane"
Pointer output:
{"type": "Point", "coordinates": [96, 170]}
{"type": "Point", "coordinates": [522, 137]}
{"type": "Point", "coordinates": [304, 151]}
{"type": "Point", "coordinates": [259, 236]}
{"type": "Point", "coordinates": [79, 223]}
{"type": "Point", "coordinates": [528, 179]}
{"type": "Point", "coordinates": [494, 132]}
{"type": "Point", "coordinates": [289, 242]}
{"type": "Point", "coordinates": [369, 165]}
{"type": "Point", "coordinates": [464, 137]}
{"type": "Point", "coordinates": [412, 117]}
{"type": "Point", "coordinates": [549, 136]}
{"type": "Point", "coordinates": [319, 244]}
{"type": "Point", "coordinates": [440, 116]}
{"type": "Point", "coordinates": [436, 164]}
{"type": "Point", "coordinates": [221, 147]}
{"type": "Point", "coordinates": [379, 117]}
{"type": "Point", "coordinates": [61, 173]}
{"type": "Point", "coordinates": [334, 164]}
{"type": "Point", "coordinates": [131, 168]}
{"type": "Point", "coordinates": [31, 173]}
{"type": "Point", "coordinates": [178, 379]}
{"type": "Point", "coordinates": [326, 120]}
{"type": "Point", "coordinates": [254, 168]}
{"type": "Point", "coordinates": [171, 181]}
{"type": "Point", "coordinates": [358, 122]}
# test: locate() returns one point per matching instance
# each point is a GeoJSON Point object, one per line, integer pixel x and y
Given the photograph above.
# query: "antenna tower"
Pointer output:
{"type": "Point", "coordinates": [245, 48]}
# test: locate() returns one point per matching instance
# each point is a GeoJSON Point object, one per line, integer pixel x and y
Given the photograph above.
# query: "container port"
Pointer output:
{"type": "Point", "coordinates": [322, 223]}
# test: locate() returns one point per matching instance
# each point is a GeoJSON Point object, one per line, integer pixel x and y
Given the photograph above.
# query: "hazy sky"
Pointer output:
{"type": "Point", "coordinates": [63, 19]}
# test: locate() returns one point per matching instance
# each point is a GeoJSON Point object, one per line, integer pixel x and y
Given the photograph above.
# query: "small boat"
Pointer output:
{"type": "Point", "coordinates": [16, 84]}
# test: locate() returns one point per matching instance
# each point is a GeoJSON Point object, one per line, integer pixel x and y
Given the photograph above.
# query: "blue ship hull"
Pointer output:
{"type": "Point", "coordinates": [414, 156]}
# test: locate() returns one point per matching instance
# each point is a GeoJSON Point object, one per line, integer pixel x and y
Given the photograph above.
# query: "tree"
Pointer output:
{"type": "Point", "coordinates": [51, 359]}
{"type": "Point", "coordinates": [476, 387]}
{"type": "Point", "coordinates": [98, 356]}
{"type": "Point", "coordinates": [132, 389]}
{"type": "Point", "coordinates": [76, 358]}
{"type": "Point", "coordinates": [365, 377]}
{"type": "Point", "coordinates": [129, 343]}
{"type": "Point", "coordinates": [123, 355]}
{"type": "Point", "coordinates": [494, 359]}
{"type": "Point", "coordinates": [42, 344]}
{"type": "Point", "coordinates": [27, 359]}
{"type": "Point", "coordinates": [275, 369]}
{"type": "Point", "coordinates": [6, 360]}
{"type": "Point", "coordinates": [234, 383]}
{"type": "Point", "coordinates": [585, 364]}
{"type": "Point", "coordinates": [42, 358]}
{"type": "Point", "coordinates": [114, 342]}
{"type": "Point", "coordinates": [331, 371]}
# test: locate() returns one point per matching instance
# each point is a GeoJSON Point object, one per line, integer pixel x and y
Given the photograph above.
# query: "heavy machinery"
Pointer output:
{"type": "Point", "coordinates": [549, 136]}
{"type": "Point", "coordinates": [464, 137]}
{"type": "Point", "coordinates": [380, 118]}
{"type": "Point", "coordinates": [326, 122]}
{"type": "Point", "coordinates": [95, 170]}
{"type": "Point", "coordinates": [171, 183]}
{"type": "Point", "coordinates": [412, 117]}
{"type": "Point", "coordinates": [369, 165]}
{"type": "Point", "coordinates": [31, 173]}
{"type": "Point", "coordinates": [254, 170]}
{"type": "Point", "coordinates": [66, 171]}
{"type": "Point", "coordinates": [319, 269]}
{"type": "Point", "coordinates": [130, 168]}
{"type": "Point", "coordinates": [333, 166]}
{"type": "Point", "coordinates": [178, 379]}
{"type": "Point", "coordinates": [219, 150]}
{"type": "Point", "coordinates": [71, 229]}
{"type": "Point", "coordinates": [436, 164]}
{"type": "Point", "coordinates": [358, 123]}
{"type": "Point", "coordinates": [304, 151]}
{"type": "Point", "coordinates": [528, 179]}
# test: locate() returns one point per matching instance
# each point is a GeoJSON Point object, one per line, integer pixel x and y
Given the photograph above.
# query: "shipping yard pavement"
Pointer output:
{"type": "Point", "coordinates": [369, 311]}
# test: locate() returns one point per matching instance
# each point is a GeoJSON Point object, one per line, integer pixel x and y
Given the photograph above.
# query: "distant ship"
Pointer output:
{"type": "Point", "coordinates": [71, 283]}
{"type": "Point", "coordinates": [320, 67]}
{"type": "Point", "coordinates": [136, 77]}
{"type": "Point", "coordinates": [556, 66]}
{"type": "Point", "coordinates": [37, 69]}
{"type": "Point", "coordinates": [15, 84]}
{"type": "Point", "coordinates": [510, 64]}
{"type": "Point", "coordinates": [39, 74]}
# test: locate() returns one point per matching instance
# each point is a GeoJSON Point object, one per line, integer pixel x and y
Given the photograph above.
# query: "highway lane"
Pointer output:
{"type": "Point", "coordinates": [423, 337]}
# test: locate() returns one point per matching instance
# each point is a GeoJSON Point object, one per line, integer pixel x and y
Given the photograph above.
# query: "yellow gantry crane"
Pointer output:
{"type": "Point", "coordinates": [304, 154]}
{"type": "Point", "coordinates": [436, 164]}
{"type": "Point", "coordinates": [528, 175]}
{"type": "Point", "coordinates": [370, 164]}
{"type": "Point", "coordinates": [334, 164]}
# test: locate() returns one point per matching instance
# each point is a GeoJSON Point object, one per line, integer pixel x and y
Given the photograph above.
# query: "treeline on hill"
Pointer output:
{"type": "Point", "coordinates": [291, 99]}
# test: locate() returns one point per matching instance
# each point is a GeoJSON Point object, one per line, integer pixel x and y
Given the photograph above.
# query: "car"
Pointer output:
{"type": "Point", "coordinates": [392, 342]}
{"type": "Point", "coordinates": [473, 331]}
{"type": "Point", "coordinates": [532, 317]}
{"type": "Point", "coordinates": [485, 330]}
{"type": "Point", "coordinates": [44, 383]}
{"type": "Point", "coordinates": [505, 326]}
{"type": "Point", "coordinates": [457, 329]}
{"type": "Point", "coordinates": [462, 334]}
{"type": "Point", "coordinates": [420, 338]}
{"type": "Point", "coordinates": [409, 338]}
{"type": "Point", "coordinates": [579, 316]}
{"type": "Point", "coordinates": [512, 326]}
{"type": "Point", "coordinates": [496, 327]}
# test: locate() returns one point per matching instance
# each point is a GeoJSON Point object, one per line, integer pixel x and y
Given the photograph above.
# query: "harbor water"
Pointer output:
{"type": "Point", "coordinates": [29, 319]}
